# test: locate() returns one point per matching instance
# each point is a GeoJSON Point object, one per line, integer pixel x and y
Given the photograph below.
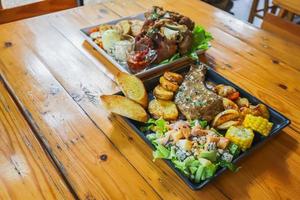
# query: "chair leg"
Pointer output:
{"type": "Point", "coordinates": [266, 7]}
{"type": "Point", "coordinates": [290, 16]}
{"type": "Point", "coordinates": [80, 2]}
{"type": "Point", "coordinates": [253, 11]}
{"type": "Point", "coordinates": [282, 13]}
{"type": "Point", "coordinates": [274, 9]}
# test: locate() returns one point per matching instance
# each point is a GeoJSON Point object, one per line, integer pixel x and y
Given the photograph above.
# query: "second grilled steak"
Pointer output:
{"type": "Point", "coordinates": [194, 100]}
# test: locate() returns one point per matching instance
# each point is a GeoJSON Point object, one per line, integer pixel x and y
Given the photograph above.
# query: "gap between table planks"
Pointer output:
{"type": "Point", "coordinates": [88, 104]}
{"type": "Point", "coordinates": [26, 172]}
{"type": "Point", "coordinates": [163, 180]}
{"type": "Point", "coordinates": [77, 143]}
{"type": "Point", "coordinates": [259, 192]}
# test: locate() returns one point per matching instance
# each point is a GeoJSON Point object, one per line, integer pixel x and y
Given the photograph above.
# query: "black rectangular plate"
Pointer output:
{"type": "Point", "coordinates": [279, 121]}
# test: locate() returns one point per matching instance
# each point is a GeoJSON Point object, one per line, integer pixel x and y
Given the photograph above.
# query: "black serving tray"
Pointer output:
{"type": "Point", "coordinates": [279, 121]}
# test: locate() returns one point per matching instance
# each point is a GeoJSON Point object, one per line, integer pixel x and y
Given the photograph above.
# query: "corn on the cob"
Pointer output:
{"type": "Point", "coordinates": [241, 136]}
{"type": "Point", "coordinates": [259, 124]}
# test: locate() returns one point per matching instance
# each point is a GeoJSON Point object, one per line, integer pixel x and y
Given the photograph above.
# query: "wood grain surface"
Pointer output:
{"type": "Point", "coordinates": [60, 77]}
{"type": "Point", "coordinates": [26, 172]}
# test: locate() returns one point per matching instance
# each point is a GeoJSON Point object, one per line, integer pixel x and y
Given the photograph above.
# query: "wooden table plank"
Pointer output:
{"type": "Point", "coordinates": [81, 77]}
{"type": "Point", "coordinates": [25, 169]}
{"type": "Point", "coordinates": [89, 161]}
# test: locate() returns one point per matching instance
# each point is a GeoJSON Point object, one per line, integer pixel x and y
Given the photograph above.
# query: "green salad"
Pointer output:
{"type": "Point", "coordinates": [194, 148]}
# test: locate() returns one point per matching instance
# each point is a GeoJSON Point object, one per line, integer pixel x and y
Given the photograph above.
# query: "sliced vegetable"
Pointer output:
{"type": "Point", "coordinates": [232, 167]}
{"type": "Point", "coordinates": [241, 136]}
{"type": "Point", "coordinates": [199, 173]}
{"type": "Point", "coordinates": [259, 124]}
{"type": "Point", "coordinates": [161, 152]}
{"type": "Point", "coordinates": [234, 149]}
{"type": "Point", "coordinates": [210, 155]}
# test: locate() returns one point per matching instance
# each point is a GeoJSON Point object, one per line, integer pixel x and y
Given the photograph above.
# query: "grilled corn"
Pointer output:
{"type": "Point", "coordinates": [241, 136]}
{"type": "Point", "coordinates": [259, 124]}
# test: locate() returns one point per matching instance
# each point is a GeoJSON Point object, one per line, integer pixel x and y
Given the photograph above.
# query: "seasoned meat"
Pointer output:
{"type": "Point", "coordinates": [165, 50]}
{"type": "Point", "coordinates": [186, 44]}
{"type": "Point", "coordinates": [194, 100]}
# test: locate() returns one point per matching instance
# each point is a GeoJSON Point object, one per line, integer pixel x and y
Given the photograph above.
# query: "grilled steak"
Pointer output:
{"type": "Point", "coordinates": [194, 100]}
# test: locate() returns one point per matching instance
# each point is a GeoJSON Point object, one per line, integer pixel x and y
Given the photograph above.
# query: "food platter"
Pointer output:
{"type": "Point", "coordinates": [153, 68]}
{"type": "Point", "coordinates": [278, 120]}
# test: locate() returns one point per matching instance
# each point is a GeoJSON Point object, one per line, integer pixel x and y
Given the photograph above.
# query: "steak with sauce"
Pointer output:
{"type": "Point", "coordinates": [194, 100]}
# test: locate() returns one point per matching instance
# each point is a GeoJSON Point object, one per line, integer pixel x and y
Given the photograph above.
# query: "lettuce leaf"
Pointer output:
{"type": "Point", "coordinates": [201, 40]}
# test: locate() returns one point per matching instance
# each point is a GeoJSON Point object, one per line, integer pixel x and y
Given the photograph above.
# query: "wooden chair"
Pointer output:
{"type": "Point", "coordinates": [36, 9]}
{"type": "Point", "coordinates": [255, 12]}
{"type": "Point", "coordinates": [282, 28]}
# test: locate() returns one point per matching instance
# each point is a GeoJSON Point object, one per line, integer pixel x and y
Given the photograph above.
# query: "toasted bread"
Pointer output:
{"type": "Point", "coordinates": [133, 88]}
{"type": "Point", "coordinates": [165, 109]}
{"type": "Point", "coordinates": [168, 85]}
{"type": "Point", "coordinates": [123, 106]}
{"type": "Point", "coordinates": [161, 93]}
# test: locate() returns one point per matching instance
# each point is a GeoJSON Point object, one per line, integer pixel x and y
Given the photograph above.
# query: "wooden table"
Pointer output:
{"type": "Point", "coordinates": [289, 5]}
{"type": "Point", "coordinates": [57, 141]}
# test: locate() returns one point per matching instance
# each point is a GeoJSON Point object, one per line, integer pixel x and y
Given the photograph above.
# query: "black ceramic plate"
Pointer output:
{"type": "Point", "coordinates": [279, 121]}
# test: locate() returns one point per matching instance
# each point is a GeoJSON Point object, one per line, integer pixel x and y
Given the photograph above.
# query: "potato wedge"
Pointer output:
{"type": "Point", "coordinates": [173, 77]}
{"type": "Point", "coordinates": [168, 85]}
{"type": "Point", "coordinates": [242, 102]}
{"type": "Point", "coordinates": [225, 116]}
{"type": "Point", "coordinates": [165, 109]}
{"type": "Point", "coordinates": [124, 27]}
{"type": "Point", "coordinates": [161, 93]}
{"type": "Point", "coordinates": [136, 27]}
{"type": "Point", "coordinates": [227, 124]}
{"type": "Point", "coordinates": [123, 106]}
{"type": "Point", "coordinates": [228, 104]}
{"type": "Point", "coordinates": [133, 88]}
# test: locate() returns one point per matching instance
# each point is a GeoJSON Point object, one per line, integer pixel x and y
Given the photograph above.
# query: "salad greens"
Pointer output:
{"type": "Point", "coordinates": [201, 39]}
{"type": "Point", "coordinates": [196, 166]}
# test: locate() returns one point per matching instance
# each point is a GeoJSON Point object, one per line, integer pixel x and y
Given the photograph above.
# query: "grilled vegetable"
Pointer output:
{"type": "Point", "coordinates": [259, 124]}
{"type": "Point", "coordinates": [163, 109]}
{"type": "Point", "coordinates": [168, 85]}
{"type": "Point", "coordinates": [173, 77]}
{"type": "Point", "coordinates": [163, 94]}
{"type": "Point", "coordinates": [241, 136]}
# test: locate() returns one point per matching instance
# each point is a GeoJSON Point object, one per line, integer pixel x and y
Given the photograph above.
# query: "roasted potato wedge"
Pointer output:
{"type": "Point", "coordinates": [242, 102]}
{"type": "Point", "coordinates": [123, 106]}
{"type": "Point", "coordinates": [225, 116]}
{"type": "Point", "coordinates": [165, 109]}
{"type": "Point", "coordinates": [104, 27]}
{"type": "Point", "coordinates": [258, 110]}
{"type": "Point", "coordinates": [133, 88]}
{"type": "Point", "coordinates": [226, 125]}
{"type": "Point", "coordinates": [168, 85]}
{"type": "Point", "coordinates": [224, 90]}
{"type": "Point", "coordinates": [124, 27]}
{"type": "Point", "coordinates": [161, 93]}
{"type": "Point", "coordinates": [136, 27]}
{"type": "Point", "coordinates": [173, 77]}
{"type": "Point", "coordinates": [228, 104]}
